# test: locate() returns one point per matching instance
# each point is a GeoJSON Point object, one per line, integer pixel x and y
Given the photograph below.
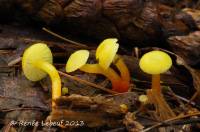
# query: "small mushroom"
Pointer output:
{"type": "Point", "coordinates": [78, 60]}
{"type": "Point", "coordinates": [37, 63]}
{"type": "Point", "coordinates": [143, 99]}
{"type": "Point", "coordinates": [106, 54]}
{"type": "Point", "coordinates": [155, 63]}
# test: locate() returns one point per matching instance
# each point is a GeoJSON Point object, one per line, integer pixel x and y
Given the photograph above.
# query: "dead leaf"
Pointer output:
{"type": "Point", "coordinates": [131, 124]}
{"type": "Point", "coordinates": [18, 92]}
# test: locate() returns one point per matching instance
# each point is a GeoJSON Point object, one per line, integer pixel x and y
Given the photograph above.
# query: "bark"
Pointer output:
{"type": "Point", "coordinates": [187, 47]}
{"type": "Point", "coordinates": [132, 21]}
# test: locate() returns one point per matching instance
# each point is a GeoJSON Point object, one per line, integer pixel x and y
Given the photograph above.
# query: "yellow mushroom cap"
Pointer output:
{"type": "Point", "coordinates": [155, 62]}
{"type": "Point", "coordinates": [35, 53]}
{"type": "Point", "coordinates": [77, 60]}
{"type": "Point", "coordinates": [143, 99]}
{"type": "Point", "coordinates": [106, 52]}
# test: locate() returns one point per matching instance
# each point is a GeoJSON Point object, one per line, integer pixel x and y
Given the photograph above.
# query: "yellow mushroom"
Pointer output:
{"type": "Point", "coordinates": [37, 63]}
{"type": "Point", "coordinates": [105, 54]}
{"type": "Point", "coordinates": [124, 108]}
{"type": "Point", "coordinates": [65, 91]}
{"type": "Point", "coordinates": [78, 60]}
{"type": "Point", "coordinates": [143, 99]}
{"type": "Point", "coordinates": [155, 63]}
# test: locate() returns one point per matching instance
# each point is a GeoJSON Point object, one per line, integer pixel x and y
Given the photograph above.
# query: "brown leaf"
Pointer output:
{"type": "Point", "coordinates": [19, 92]}
{"type": "Point", "coordinates": [195, 78]}
{"type": "Point", "coordinates": [131, 124]}
{"type": "Point", "coordinates": [187, 47]}
{"type": "Point", "coordinates": [195, 14]}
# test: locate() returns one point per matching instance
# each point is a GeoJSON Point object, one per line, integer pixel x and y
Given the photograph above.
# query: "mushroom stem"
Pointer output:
{"type": "Point", "coordinates": [109, 73]}
{"type": "Point", "coordinates": [123, 69]}
{"type": "Point", "coordinates": [124, 73]}
{"type": "Point", "coordinates": [55, 78]}
{"type": "Point", "coordinates": [156, 83]}
{"type": "Point", "coordinates": [163, 110]}
{"type": "Point", "coordinates": [156, 96]}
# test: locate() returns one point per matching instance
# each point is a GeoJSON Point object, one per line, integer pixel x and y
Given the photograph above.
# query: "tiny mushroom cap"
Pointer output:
{"type": "Point", "coordinates": [124, 108]}
{"type": "Point", "coordinates": [65, 90]}
{"type": "Point", "coordinates": [35, 53]}
{"type": "Point", "coordinates": [106, 52]}
{"type": "Point", "coordinates": [155, 62]}
{"type": "Point", "coordinates": [143, 99]}
{"type": "Point", "coordinates": [77, 60]}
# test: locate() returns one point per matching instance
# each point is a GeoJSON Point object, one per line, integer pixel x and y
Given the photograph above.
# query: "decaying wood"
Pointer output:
{"type": "Point", "coordinates": [181, 3]}
{"type": "Point", "coordinates": [132, 21]}
{"type": "Point", "coordinates": [187, 47]}
{"type": "Point", "coordinates": [195, 14]}
{"type": "Point", "coordinates": [94, 111]}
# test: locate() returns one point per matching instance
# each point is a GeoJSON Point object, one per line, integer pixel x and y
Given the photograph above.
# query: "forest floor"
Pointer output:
{"type": "Point", "coordinates": [88, 106]}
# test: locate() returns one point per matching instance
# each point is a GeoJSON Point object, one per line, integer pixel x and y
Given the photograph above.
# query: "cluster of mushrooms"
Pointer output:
{"type": "Point", "coordinates": [37, 63]}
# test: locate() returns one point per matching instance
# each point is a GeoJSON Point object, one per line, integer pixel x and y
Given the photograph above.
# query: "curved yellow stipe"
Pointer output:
{"type": "Point", "coordinates": [37, 63]}
{"type": "Point", "coordinates": [96, 69]}
{"type": "Point", "coordinates": [55, 78]}
{"type": "Point", "coordinates": [123, 69]}
{"type": "Point", "coordinates": [109, 73]}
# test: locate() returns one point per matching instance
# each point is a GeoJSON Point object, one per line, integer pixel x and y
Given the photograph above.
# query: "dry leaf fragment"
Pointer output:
{"type": "Point", "coordinates": [131, 124]}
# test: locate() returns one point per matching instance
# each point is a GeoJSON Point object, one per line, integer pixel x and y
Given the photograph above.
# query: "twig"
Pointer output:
{"type": "Point", "coordinates": [169, 120]}
{"type": "Point", "coordinates": [88, 83]}
{"type": "Point", "coordinates": [178, 122]}
{"type": "Point", "coordinates": [185, 100]}
{"type": "Point", "coordinates": [63, 38]}
{"type": "Point", "coordinates": [15, 61]}
{"type": "Point", "coordinates": [181, 122]}
{"type": "Point", "coordinates": [135, 52]}
{"type": "Point", "coordinates": [193, 97]}
{"type": "Point", "coordinates": [162, 83]}
{"type": "Point", "coordinates": [30, 108]}
{"type": "Point", "coordinates": [121, 129]}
